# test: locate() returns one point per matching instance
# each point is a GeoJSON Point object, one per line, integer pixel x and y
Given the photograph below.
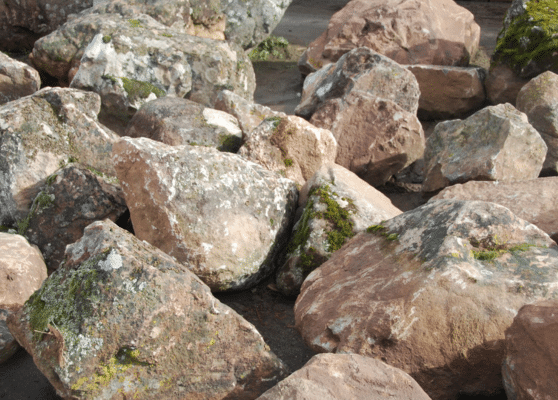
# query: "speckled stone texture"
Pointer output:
{"type": "Point", "coordinates": [431, 292]}
{"type": "Point", "coordinates": [17, 79]}
{"type": "Point", "coordinates": [122, 318]}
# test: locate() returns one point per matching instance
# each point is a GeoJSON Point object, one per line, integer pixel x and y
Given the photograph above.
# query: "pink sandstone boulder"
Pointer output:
{"type": "Point", "coordinates": [431, 291]}
{"type": "Point", "coordinates": [17, 79]}
{"type": "Point", "coordinates": [531, 364]}
{"type": "Point", "coordinates": [407, 31]}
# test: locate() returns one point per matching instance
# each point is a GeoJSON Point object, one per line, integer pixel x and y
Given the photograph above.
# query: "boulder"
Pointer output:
{"type": "Point", "coordinates": [23, 22]}
{"type": "Point", "coordinates": [533, 200]}
{"type": "Point", "coordinates": [496, 143]}
{"type": "Point", "coordinates": [120, 318]}
{"type": "Point", "coordinates": [528, 42]}
{"type": "Point", "coordinates": [531, 364]}
{"type": "Point", "coordinates": [346, 376]}
{"type": "Point", "coordinates": [502, 85]}
{"type": "Point", "coordinates": [72, 198]}
{"type": "Point", "coordinates": [539, 100]}
{"type": "Point", "coordinates": [407, 31]}
{"type": "Point", "coordinates": [449, 92]}
{"type": "Point", "coordinates": [224, 217]}
{"type": "Point", "coordinates": [248, 114]}
{"type": "Point", "coordinates": [335, 204]}
{"type": "Point", "coordinates": [291, 146]}
{"type": "Point", "coordinates": [431, 291]}
{"type": "Point", "coordinates": [361, 69]}
{"type": "Point", "coordinates": [41, 132]}
{"type": "Point", "coordinates": [17, 79]}
{"type": "Point", "coordinates": [177, 121]}
{"type": "Point", "coordinates": [376, 137]}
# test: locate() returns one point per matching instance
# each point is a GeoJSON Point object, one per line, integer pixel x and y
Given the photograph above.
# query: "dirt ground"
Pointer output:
{"type": "Point", "coordinates": [279, 86]}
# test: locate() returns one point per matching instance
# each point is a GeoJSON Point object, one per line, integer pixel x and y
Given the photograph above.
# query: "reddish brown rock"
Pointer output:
{"type": "Point", "coordinates": [431, 291]}
{"type": "Point", "coordinates": [533, 200]}
{"type": "Point", "coordinates": [531, 364]}
{"type": "Point", "coordinates": [502, 85]}
{"type": "Point", "coordinates": [407, 31]}
{"type": "Point", "coordinates": [448, 92]}
{"type": "Point", "coordinates": [376, 138]}
{"type": "Point", "coordinates": [17, 79]}
{"type": "Point", "coordinates": [346, 376]}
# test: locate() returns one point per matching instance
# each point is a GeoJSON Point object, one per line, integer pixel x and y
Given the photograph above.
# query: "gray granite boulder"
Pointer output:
{"type": "Point", "coordinates": [224, 217]}
{"type": "Point", "coordinates": [122, 318]}
{"type": "Point", "coordinates": [17, 79]}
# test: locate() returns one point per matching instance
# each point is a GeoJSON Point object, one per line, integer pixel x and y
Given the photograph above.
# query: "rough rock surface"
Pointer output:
{"type": "Point", "coordinates": [361, 69]}
{"type": "Point", "coordinates": [8, 344]}
{"type": "Point", "coordinates": [431, 292]}
{"type": "Point", "coordinates": [531, 364]}
{"type": "Point", "coordinates": [224, 217]}
{"type": "Point", "coordinates": [539, 100]}
{"type": "Point", "coordinates": [24, 21]}
{"type": "Point", "coordinates": [376, 138]}
{"type": "Point", "coordinates": [335, 205]}
{"type": "Point", "coordinates": [122, 318]}
{"type": "Point", "coordinates": [248, 114]}
{"type": "Point", "coordinates": [17, 79]}
{"type": "Point", "coordinates": [41, 132]}
{"type": "Point", "coordinates": [72, 198]}
{"type": "Point", "coordinates": [291, 146]}
{"type": "Point", "coordinates": [177, 121]}
{"type": "Point", "coordinates": [132, 62]}
{"type": "Point", "coordinates": [502, 85]}
{"type": "Point", "coordinates": [496, 143]}
{"type": "Point", "coordinates": [533, 200]}
{"type": "Point", "coordinates": [346, 376]}
{"type": "Point", "coordinates": [449, 92]}
{"type": "Point", "coordinates": [407, 31]}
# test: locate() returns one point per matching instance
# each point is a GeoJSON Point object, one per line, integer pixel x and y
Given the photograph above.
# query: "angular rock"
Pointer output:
{"type": "Point", "coordinates": [431, 292]}
{"type": "Point", "coordinates": [361, 69]}
{"type": "Point", "coordinates": [496, 143]}
{"type": "Point", "coordinates": [408, 32]}
{"type": "Point", "coordinates": [346, 376]}
{"type": "Point", "coordinates": [17, 79]}
{"type": "Point", "coordinates": [224, 217]}
{"type": "Point", "coordinates": [376, 138]}
{"type": "Point", "coordinates": [502, 85]}
{"type": "Point", "coordinates": [539, 100]}
{"type": "Point", "coordinates": [448, 92]}
{"type": "Point", "coordinates": [533, 200]}
{"type": "Point", "coordinates": [23, 22]}
{"type": "Point", "coordinates": [8, 345]}
{"type": "Point", "coordinates": [132, 62]}
{"type": "Point", "coordinates": [530, 366]}
{"type": "Point", "coordinates": [72, 198]}
{"type": "Point", "coordinates": [38, 134]}
{"type": "Point", "coordinates": [335, 205]}
{"type": "Point", "coordinates": [122, 318]}
{"type": "Point", "coordinates": [177, 121]}
{"type": "Point", "coordinates": [291, 146]}
{"type": "Point", "coordinates": [248, 114]}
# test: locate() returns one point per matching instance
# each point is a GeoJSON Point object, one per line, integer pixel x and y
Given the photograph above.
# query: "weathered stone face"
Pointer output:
{"type": "Point", "coordinates": [408, 32]}
{"type": "Point", "coordinates": [17, 79]}
{"type": "Point", "coordinates": [121, 317]}
{"type": "Point", "coordinates": [345, 376]}
{"type": "Point", "coordinates": [376, 138]}
{"type": "Point", "coordinates": [361, 69]}
{"type": "Point", "coordinates": [176, 121]}
{"type": "Point", "coordinates": [503, 85]}
{"type": "Point", "coordinates": [224, 217]}
{"type": "Point", "coordinates": [496, 143]}
{"type": "Point", "coordinates": [431, 292]}
{"type": "Point", "coordinates": [8, 345]}
{"type": "Point", "coordinates": [529, 368]}
{"type": "Point", "coordinates": [291, 146]}
{"type": "Point", "coordinates": [334, 205]}
{"type": "Point", "coordinates": [38, 134]}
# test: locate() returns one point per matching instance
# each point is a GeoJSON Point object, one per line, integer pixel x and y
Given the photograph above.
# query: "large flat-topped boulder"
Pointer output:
{"type": "Point", "coordinates": [407, 31]}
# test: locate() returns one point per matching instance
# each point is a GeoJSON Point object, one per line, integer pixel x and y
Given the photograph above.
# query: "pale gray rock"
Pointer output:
{"type": "Point", "coordinates": [431, 291]}
{"type": "Point", "coordinates": [17, 79]}
{"type": "Point", "coordinates": [224, 217]}
{"type": "Point", "coordinates": [8, 345]}
{"type": "Point", "coordinates": [335, 204]}
{"type": "Point", "coordinates": [346, 376]}
{"type": "Point", "coordinates": [496, 143]}
{"type": "Point", "coordinates": [122, 318]}
{"type": "Point", "coordinates": [39, 134]}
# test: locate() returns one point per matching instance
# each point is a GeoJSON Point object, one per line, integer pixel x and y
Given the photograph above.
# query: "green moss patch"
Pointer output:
{"type": "Point", "coordinates": [489, 248]}
{"type": "Point", "coordinates": [382, 230]}
{"type": "Point", "coordinates": [273, 47]}
{"type": "Point", "coordinates": [229, 143]}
